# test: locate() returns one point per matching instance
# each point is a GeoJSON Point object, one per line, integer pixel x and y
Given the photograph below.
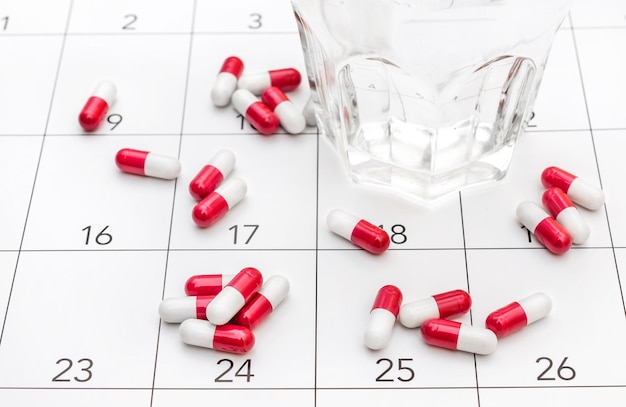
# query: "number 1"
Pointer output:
{"type": "Point", "coordinates": [6, 22]}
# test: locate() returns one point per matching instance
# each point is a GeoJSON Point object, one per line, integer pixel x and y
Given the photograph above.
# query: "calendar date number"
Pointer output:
{"type": "Point", "coordinates": [404, 372]}
{"type": "Point", "coordinates": [79, 371]}
{"type": "Point", "coordinates": [550, 372]}
{"type": "Point", "coordinates": [229, 374]}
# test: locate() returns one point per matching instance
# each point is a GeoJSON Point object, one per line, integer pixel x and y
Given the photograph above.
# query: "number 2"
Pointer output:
{"type": "Point", "coordinates": [132, 18]}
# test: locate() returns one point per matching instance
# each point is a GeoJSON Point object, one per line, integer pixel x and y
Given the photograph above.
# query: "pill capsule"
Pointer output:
{"type": "Point", "coordinates": [226, 81]}
{"type": "Point", "coordinates": [454, 335]}
{"type": "Point", "coordinates": [577, 189]}
{"type": "Point", "coordinates": [445, 305]}
{"type": "Point", "coordinates": [178, 309]}
{"type": "Point", "coordinates": [225, 338]}
{"type": "Point", "coordinates": [285, 79]}
{"type": "Point", "coordinates": [289, 117]}
{"type": "Point", "coordinates": [147, 164]}
{"type": "Point", "coordinates": [383, 317]}
{"type": "Point", "coordinates": [206, 284]}
{"type": "Point", "coordinates": [545, 228]}
{"type": "Point", "coordinates": [563, 210]}
{"type": "Point", "coordinates": [255, 112]}
{"type": "Point", "coordinates": [215, 205]}
{"type": "Point", "coordinates": [234, 296]}
{"type": "Point", "coordinates": [272, 293]}
{"type": "Point", "coordinates": [515, 316]}
{"type": "Point", "coordinates": [212, 174]}
{"type": "Point", "coordinates": [359, 231]}
{"type": "Point", "coordinates": [97, 105]}
{"type": "Point", "coordinates": [309, 113]}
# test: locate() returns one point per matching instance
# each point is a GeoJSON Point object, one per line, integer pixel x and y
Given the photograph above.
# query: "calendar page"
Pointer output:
{"type": "Point", "coordinates": [88, 253]}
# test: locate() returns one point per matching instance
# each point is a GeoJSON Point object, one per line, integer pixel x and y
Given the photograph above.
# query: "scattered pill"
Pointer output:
{"type": "Point", "coordinates": [215, 205]}
{"type": "Point", "coordinates": [147, 164]}
{"type": "Point", "coordinates": [226, 81]}
{"type": "Point", "coordinates": [517, 315]}
{"type": "Point", "coordinates": [212, 174]}
{"type": "Point", "coordinates": [445, 305]}
{"type": "Point", "coordinates": [225, 338]}
{"type": "Point", "coordinates": [545, 228]}
{"type": "Point", "coordinates": [309, 113]}
{"type": "Point", "coordinates": [383, 317]}
{"type": "Point", "coordinates": [97, 105]}
{"type": "Point", "coordinates": [563, 210]}
{"type": "Point", "coordinates": [289, 117]}
{"type": "Point", "coordinates": [577, 189]}
{"type": "Point", "coordinates": [272, 293]}
{"type": "Point", "coordinates": [359, 231]}
{"type": "Point", "coordinates": [178, 309]}
{"type": "Point", "coordinates": [286, 79]}
{"type": "Point", "coordinates": [255, 112]}
{"type": "Point", "coordinates": [234, 296]}
{"type": "Point", "coordinates": [206, 284]}
{"type": "Point", "coordinates": [454, 335]}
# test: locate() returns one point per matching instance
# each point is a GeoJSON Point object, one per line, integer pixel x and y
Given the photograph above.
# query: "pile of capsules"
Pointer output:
{"type": "Point", "coordinates": [432, 313]}
{"type": "Point", "coordinates": [563, 223]}
{"type": "Point", "coordinates": [220, 311]}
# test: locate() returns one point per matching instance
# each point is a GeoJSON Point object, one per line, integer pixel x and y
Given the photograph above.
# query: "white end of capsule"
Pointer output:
{"type": "Point", "coordinates": [224, 160]}
{"type": "Point", "coordinates": [255, 83]}
{"type": "Point", "coordinates": [341, 223]}
{"type": "Point", "coordinates": [291, 119]}
{"type": "Point", "coordinates": [197, 332]}
{"type": "Point", "coordinates": [107, 91]}
{"type": "Point", "coordinates": [530, 214]}
{"type": "Point", "coordinates": [225, 85]}
{"type": "Point", "coordinates": [586, 194]}
{"type": "Point", "coordinates": [275, 289]}
{"type": "Point", "coordinates": [379, 328]}
{"type": "Point", "coordinates": [309, 113]}
{"type": "Point", "coordinates": [224, 306]}
{"type": "Point", "coordinates": [575, 225]}
{"type": "Point", "coordinates": [414, 314]}
{"type": "Point", "coordinates": [476, 340]}
{"type": "Point", "coordinates": [161, 166]}
{"type": "Point", "coordinates": [536, 307]}
{"type": "Point", "coordinates": [233, 190]}
{"type": "Point", "coordinates": [175, 310]}
{"type": "Point", "coordinates": [242, 99]}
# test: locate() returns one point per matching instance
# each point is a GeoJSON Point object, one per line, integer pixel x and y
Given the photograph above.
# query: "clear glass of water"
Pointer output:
{"type": "Point", "coordinates": [426, 97]}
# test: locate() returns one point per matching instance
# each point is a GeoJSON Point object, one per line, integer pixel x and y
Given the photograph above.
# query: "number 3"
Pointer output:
{"type": "Point", "coordinates": [256, 21]}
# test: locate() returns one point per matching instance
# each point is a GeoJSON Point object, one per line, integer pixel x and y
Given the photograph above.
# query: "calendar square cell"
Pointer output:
{"type": "Point", "coordinates": [83, 201]}
{"type": "Point", "coordinates": [399, 397]}
{"type": "Point", "coordinates": [244, 16]}
{"type": "Point", "coordinates": [599, 14]}
{"type": "Point", "coordinates": [25, 98]}
{"type": "Point", "coordinates": [560, 103]}
{"type": "Point", "coordinates": [258, 53]}
{"type": "Point", "coordinates": [7, 271]}
{"type": "Point", "coordinates": [83, 319]}
{"type": "Point", "coordinates": [34, 17]}
{"type": "Point", "coordinates": [18, 157]}
{"type": "Point", "coordinates": [601, 50]}
{"type": "Point", "coordinates": [575, 344]}
{"type": "Point", "coordinates": [278, 211]}
{"type": "Point", "coordinates": [149, 100]}
{"type": "Point", "coordinates": [277, 398]}
{"type": "Point", "coordinates": [130, 17]}
{"type": "Point", "coordinates": [74, 397]}
{"type": "Point", "coordinates": [346, 287]}
{"type": "Point", "coordinates": [612, 172]}
{"type": "Point", "coordinates": [489, 211]}
{"type": "Point", "coordinates": [545, 397]}
{"type": "Point", "coordinates": [283, 354]}
{"type": "Point", "coordinates": [410, 226]}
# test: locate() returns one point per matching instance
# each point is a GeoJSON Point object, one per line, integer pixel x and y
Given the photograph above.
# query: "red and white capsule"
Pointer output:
{"type": "Point", "coordinates": [445, 305]}
{"type": "Point", "coordinates": [206, 284]}
{"type": "Point", "coordinates": [255, 111]}
{"type": "Point", "coordinates": [359, 231]}
{"type": "Point", "coordinates": [215, 205]}
{"type": "Point", "coordinates": [177, 309]}
{"type": "Point", "coordinates": [212, 174]}
{"type": "Point", "coordinates": [97, 105]}
{"type": "Point", "coordinates": [519, 314]}
{"type": "Point", "coordinates": [226, 81]}
{"type": "Point", "coordinates": [272, 293]}
{"type": "Point", "coordinates": [226, 338]}
{"type": "Point", "coordinates": [383, 317]}
{"type": "Point", "coordinates": [289, 116]}
{"type": "Point", "coordinates": [563, 210]}
{"type": "Point", "coordinates": [147, 164]}
{"type": "Point", "coordinates": [234, 296]}
{"type": "Point", "coordinates": [577, 189]}
{"type": "Point", "coordinates": [454, 335]}
{"type": "Point", "coordinates": [545, 228]}
{"type": "Point", "coordinates": [286, 79]}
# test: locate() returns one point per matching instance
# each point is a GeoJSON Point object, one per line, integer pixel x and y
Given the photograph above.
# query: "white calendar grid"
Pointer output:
{"type": "Point", "coordinates": [78, 314]}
